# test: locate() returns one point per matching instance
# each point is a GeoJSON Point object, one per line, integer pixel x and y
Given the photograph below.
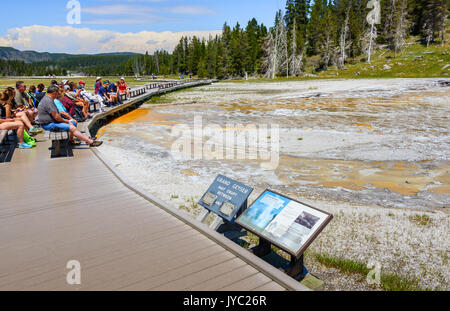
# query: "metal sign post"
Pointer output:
{"type": "Point", "coordinates": [227, 199]}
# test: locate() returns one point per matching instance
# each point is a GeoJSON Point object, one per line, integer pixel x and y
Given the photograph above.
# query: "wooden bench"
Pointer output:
{"type": "Point", "coordinates": [95, 103]}
{"type": "Point", "coordinates": [8, 144]}
{"type": "Point", "coordinates": [60, 144]}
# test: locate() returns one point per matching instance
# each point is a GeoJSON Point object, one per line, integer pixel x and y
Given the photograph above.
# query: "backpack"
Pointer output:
{"type": "Point", "coordinates": [78, 115]}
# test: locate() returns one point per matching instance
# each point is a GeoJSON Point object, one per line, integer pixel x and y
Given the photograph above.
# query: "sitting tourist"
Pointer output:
{"type": "Point", "coordinates": [78, 100]}
{"type": "Point", "coordinates": [68, 104]}
{"type": "Point", "coordinates": [61, 108]}
{"type": "Point", "coordinates": [18, 126]}
{"type": "Point", "coordinates": [98, 85]}
{"type": "Point", "coordinates": [123, 87]}
{"type": "Point", "coordinates": [89, 96]}
{"type": "Point", "coordinates": [103, 92]}
{"type": "Point", "coordinates": [112, 90]}
{"type": "Point", "coordinates": [23, 101]}
{"type": "Point", "coordinates": [39, 93]}
{"type": "Point", "coordinates": [52, 120]}
{"type": "Point", "coordinates": [21, 98]}
{"type": "Point", "coordinates": [32, 95]}
{"type": "Point", "coordinates": [12, 112]}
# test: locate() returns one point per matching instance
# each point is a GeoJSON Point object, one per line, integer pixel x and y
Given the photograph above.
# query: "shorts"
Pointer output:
{"type": "Point", "coordinates": [58, 126]}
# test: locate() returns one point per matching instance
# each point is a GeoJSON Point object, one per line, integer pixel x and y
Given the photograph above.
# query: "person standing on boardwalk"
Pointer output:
{"type": "Point", "coordinates": [50, 118]}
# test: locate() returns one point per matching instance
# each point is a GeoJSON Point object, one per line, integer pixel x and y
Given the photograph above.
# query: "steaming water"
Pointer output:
{"type": "Point", "coordinates": [383, 142]}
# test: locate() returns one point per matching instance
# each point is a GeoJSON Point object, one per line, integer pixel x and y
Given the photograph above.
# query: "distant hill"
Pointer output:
{"type": "Point", "coordinates": [9, 53]}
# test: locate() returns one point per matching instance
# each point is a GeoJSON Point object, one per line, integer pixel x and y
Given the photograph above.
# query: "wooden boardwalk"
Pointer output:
{"type": "Point", "coordinates": [56, 210]}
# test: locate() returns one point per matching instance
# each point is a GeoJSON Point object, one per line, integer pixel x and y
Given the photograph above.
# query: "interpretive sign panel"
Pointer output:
{"type": "Point", "coordinates": [225, 197]}
{"type": "Point", "coordinates": [284, 222]}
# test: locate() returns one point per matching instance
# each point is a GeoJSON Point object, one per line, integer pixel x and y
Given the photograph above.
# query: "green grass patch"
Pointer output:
{"type": "Point", "coordinates": [388, 281]}
{"type": "Point", "coordinates": [420, 220]}
{"type": "Point", "coordinates": [415, 61]}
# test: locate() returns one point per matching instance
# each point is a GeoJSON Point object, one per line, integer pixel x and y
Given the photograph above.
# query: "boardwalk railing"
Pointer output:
{"type": "Point", "coordinates": [135, 92]}
{"type": "Point", "coordinates": [138, 95]}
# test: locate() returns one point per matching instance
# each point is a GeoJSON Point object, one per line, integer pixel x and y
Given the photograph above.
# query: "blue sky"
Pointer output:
{"type": "Point", "coordinates": [27, 24]}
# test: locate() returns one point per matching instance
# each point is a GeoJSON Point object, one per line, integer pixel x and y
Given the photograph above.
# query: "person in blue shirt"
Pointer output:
{"type": "Point", "coordinates": [113, 91]}
{"type": "Point", "coordinates": [39, 94]}
{"type": "Point", "coordinates": [103, 92]}
{"type": "Point", "coordinates": [62, 110]}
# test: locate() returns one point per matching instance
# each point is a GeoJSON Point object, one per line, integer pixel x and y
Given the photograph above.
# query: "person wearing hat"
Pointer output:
{"type": "Point", "coordinates": [98, 85]}
{"type": "Point", "coordinates": [50, 118]}
{"type": "Point", "coordinates": [123, 87]}
{"type": "Point", "coordinates": [62, 109]}
{"type": "Point", "coordinates": [107, 97]}
{"type": "Point", "coordinates": [78, 100]}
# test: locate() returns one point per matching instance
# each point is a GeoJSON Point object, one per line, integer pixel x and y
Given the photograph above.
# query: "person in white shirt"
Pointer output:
{"type": "Point", "coordinates": [89, 96]}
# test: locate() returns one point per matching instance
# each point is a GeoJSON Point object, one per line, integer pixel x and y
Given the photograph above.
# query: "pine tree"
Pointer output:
{"type": "Point", "coordinates": [328, 45]}
{"type": "Point", "coordinates": [435, 13]}
{"type": "Point", "coordinates": [298, 10]}
{"type": "Point", "coordinates": [296, 59]}
{"type": "Point", "coordinates": [315, 27]}
{"type": "Point", "coordinates": [401, 25]}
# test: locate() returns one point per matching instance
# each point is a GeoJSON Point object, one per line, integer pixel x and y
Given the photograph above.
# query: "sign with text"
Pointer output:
{"type": "Point", "coordinates": [225, 197]}
{"type": "Point", "coordinates": [288, 224]}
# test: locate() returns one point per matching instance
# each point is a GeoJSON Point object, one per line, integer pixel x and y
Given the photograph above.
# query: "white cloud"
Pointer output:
{"type": "Point", "coordinates": [67, 39]}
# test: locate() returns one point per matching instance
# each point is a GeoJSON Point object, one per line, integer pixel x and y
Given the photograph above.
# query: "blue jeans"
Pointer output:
{"type": "Point", "coordinates": [60, 126]}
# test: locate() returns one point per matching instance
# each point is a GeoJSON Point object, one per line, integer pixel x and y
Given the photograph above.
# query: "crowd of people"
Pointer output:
{"type": "Point", "coordinates": [59, 107]}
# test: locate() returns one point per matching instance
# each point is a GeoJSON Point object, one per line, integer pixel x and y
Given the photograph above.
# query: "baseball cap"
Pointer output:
{"type": "Point", "coordinates": [66, 87]}
{"type": "Point", "coordinates": [81, 82]}
{"type": "Point", "coordinates": [122, 78]}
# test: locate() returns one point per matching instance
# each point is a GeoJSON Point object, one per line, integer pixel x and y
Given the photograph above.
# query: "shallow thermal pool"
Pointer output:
{"type": "Point", "coordinates": [378, 142]}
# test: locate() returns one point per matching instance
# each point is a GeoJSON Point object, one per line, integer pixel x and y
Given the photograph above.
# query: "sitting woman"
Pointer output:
{"type": "Point", "coordinates": [79, 100]}
{"type": "Point", "coordinates": [18, 126]}
{"type": "Point", "coordinates": [12, 112]}
{"type": "Point", "coordinates": [123, 87]}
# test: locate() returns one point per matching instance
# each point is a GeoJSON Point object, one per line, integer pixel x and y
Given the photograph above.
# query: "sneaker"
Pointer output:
{"type": "Point", "coordinates": [96, 144]}
{"type": "Point", "coordinates": [25, 146]}
{"type": "Point", "coordinates": [35, 130]}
